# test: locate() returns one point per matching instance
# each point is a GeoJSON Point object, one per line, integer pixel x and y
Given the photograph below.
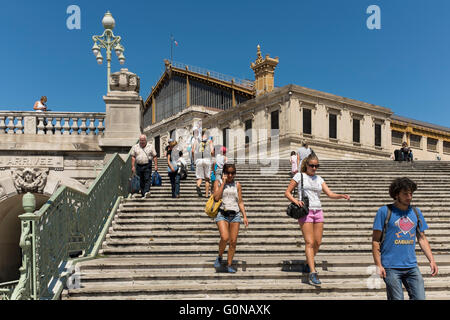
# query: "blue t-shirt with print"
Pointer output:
{"type": "Point", "coordinates": [399, 246]}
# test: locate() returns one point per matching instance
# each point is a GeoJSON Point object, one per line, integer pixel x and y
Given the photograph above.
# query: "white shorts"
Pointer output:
{"type": "Point", "coordinates": [203, 168]}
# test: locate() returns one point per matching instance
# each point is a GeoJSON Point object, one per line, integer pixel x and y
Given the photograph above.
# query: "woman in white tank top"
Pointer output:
{"type": "Point", "coordinates": [228, 219]}
{"type": "Point", "coordinates": [39, 105]}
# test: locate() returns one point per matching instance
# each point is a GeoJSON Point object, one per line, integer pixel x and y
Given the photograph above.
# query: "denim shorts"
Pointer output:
{"type": "Point", "coordinates": [230, 218]}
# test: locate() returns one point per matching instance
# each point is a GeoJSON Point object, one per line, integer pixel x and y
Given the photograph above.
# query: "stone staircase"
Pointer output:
{"type": "Point", "coordinates": [164, 248]}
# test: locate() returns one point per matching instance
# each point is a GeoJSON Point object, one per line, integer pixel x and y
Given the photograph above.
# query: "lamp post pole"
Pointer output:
{"type": "Point", "coordinates": [109, 42]}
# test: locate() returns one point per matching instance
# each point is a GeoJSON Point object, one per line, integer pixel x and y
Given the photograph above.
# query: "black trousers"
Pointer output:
{"type": "Point", "coordinates": [144, 171]}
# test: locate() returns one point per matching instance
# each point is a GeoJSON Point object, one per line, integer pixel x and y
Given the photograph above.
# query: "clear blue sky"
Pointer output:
{"type": "Point", "coordinates": [323, 45]}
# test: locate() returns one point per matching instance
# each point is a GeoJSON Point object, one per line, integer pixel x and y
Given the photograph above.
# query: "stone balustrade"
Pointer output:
{"type": "Point", "coordinates": [52, 123]}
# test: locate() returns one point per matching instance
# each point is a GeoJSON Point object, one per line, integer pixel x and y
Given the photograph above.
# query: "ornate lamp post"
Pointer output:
{"type": "Point", "coordinates": [109, 42]}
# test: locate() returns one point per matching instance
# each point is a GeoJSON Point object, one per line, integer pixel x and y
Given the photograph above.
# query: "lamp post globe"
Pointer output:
{"type": "Point", "coordinates": [108, 21]}
{"type": "Point", "coordinates": [109, 42]}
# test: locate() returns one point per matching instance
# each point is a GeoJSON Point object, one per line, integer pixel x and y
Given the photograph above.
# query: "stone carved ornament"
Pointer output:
{"type": "Point", "coordinates": [30, 180]}
{"type": "Point", "coordinates": [124, 80]}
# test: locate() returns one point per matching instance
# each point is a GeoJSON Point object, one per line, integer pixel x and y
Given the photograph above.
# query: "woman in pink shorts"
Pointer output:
{"type": "Point", "coordinates": [312, 224]}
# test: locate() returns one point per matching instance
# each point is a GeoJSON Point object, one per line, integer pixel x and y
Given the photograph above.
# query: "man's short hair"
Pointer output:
{"type": "Point", "coordinates": [401, 184]}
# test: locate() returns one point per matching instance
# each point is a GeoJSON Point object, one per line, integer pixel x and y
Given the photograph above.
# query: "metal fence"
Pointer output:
{"type": "Point", "coordinates": [71, 221]}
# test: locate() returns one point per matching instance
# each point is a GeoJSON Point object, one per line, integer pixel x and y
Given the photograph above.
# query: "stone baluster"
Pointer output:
{"type": "Point", "coordinates": [66, 126]}
{"type": "Point", "coordinates": [101, 126]}
{"type": "Point", "coordinates": [91, 126]}
{"type": "Point", "coordinates": [19, 125]}
{"type": "Point", "coordinates": [10, 124]}
{"type": "Point", "coordinates": [49, 126]}
{"type": "Point", "coordinates": [75, 126]}
{"type": "Point", "coordinates": [58, 126]}
{"type": "Point", "coordinates": [83, 127]}
{"type": "Point", "coordinates": [40, 126]}
{"type": "Point", "coordinates": [2, 125]}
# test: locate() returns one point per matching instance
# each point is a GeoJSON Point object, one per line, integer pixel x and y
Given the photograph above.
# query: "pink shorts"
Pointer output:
{"type": "Point", "coordinates": [314, 216]}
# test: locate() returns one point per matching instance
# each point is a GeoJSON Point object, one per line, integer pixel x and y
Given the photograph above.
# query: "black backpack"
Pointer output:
{"type": "Point", "coordinates": [183, 172]}
{"type": "Point", "coordinates": [388, 217]}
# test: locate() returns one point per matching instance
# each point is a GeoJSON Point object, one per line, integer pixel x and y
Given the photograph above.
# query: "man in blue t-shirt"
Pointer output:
{"type": "Point", "coordinates": [395, 256]}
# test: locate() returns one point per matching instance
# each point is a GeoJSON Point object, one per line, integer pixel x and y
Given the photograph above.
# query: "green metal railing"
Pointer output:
{"type": "Point", "coordinates": [70, 223]}
{"type": "Point", "coordinates": [6, 289]}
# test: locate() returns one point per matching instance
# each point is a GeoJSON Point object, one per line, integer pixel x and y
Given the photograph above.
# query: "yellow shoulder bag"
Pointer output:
{"type": "Point", "coordinates": [212, 207]}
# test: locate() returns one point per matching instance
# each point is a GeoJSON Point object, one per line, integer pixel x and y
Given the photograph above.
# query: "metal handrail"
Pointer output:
{"type": "Point", "coordinates": [7, 288]}
{"type": "Point", "coordinates": [71, 221]}
{"type": "Point", "coordinates": [240, 82]}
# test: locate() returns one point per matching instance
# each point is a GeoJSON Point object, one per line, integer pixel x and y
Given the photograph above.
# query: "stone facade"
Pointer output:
{"type": "Point", "coordinates": [289, 102]}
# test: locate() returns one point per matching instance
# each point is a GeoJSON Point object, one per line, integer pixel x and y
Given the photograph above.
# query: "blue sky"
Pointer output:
{"type": "Point", "coordinates": [323, 45]}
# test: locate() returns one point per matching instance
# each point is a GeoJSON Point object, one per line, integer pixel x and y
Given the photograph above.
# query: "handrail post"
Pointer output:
{"type": "Point", "coordinates": [26, 288]}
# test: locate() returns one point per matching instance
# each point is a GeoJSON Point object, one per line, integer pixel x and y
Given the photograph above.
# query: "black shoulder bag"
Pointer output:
{"type": "Point", "coordinates": [296, 212]}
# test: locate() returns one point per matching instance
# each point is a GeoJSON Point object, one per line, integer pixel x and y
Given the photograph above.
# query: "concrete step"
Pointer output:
{"type": "Point", "coordinates": [251, 233]}
{"type": "Point", "coordinates": [219, 288]}
{"type": "Point", "coordinates": [258, 227]}
{"type": "Point", "coordinates": [293, 248]}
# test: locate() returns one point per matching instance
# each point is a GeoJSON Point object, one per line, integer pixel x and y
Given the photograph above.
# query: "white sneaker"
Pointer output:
{"type": "Point", "coordinates": [147, 195]}
{"type": "Point", "coordinates": [136, 195]}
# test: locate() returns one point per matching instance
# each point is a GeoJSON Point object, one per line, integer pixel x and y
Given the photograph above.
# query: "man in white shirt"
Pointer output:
{"type": "Point", "coordinates": [302, 153]}
{"type": "Point", "coordinates": [141, 163]}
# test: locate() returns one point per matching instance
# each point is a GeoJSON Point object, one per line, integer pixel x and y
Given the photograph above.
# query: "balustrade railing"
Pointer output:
{"type": "Point", "coordinates": [241, 82]}
{"type": "Point", "coordinates": [71, 221]}
{"type": "Point", "coordinates": [52, 123]}
{"type": "Point", "coordinates": [6, 289]}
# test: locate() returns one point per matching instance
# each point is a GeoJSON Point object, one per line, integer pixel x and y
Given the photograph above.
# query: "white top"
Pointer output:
{"type": "Point", "coordinates": [143, 155]}
{"type": "Point", "coordinates": [220, 160]}
{"type": "Point", "coordinates": [40, 106]}
{"type": "Point", "coordinates": [303, 153]}
{"type": "Point", "coordinates": [294, 163]}
{"type": "Point", "coordinates": [181, 162]}
{"type": "Point", "coordinates": [203, 149]}
{"type": "Point", "coordinates": [312, 187]}
{"type": "Point", "coordinates": [230, 197]}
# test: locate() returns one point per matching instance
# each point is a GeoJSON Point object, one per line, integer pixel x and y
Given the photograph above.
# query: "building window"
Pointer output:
{"type": "Point", "coordinates": [225, 132]}
{"type": "Point", "coordinates": [432, 144]}
{"type": "Point", "coordinates": [377, 135]}
{"type": "Point", "coordinates": [248, 131]}
{"type": "Point", "coordinates": [332, 132]}
{"type": "Point", "coordinates": [274, 121]}
{"type": "Point", "coordinates": [446, 145]}
{"type": "Point", "coordinates": [415, 141]}
{"type": "Point", "coordinates": [356, 131]}
{"type": "Point", "coordinates": [397, 137]}
{"type": "Point", "coordinates": [157, 146]}
{"type": "Point", "coordinates": [307, 121]}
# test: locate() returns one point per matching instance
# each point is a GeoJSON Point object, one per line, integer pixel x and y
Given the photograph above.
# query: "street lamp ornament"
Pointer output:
{"type": "Point", "coordinates": [109, 42]}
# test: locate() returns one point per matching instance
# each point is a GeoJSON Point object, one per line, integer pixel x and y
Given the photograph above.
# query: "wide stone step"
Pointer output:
{"type": "Point", "coordinates": [332, 248]}
{"type": "Point", "coordinates": [91, 278]}
{"type": "Point", "coordinates": [429, 208]}
{"type": "Point", "coordinates": [250, 233]}
{"type": "Point", "coordinates": [260, 241]}
{"type": "Point", "coordinates": [195, 227]}
{"type": "Point", "coordinates": [218, 287]}
{"type": "Point", "coordinates": [203, 219]}
{"type": "Point", "coordinates": [280, 261]}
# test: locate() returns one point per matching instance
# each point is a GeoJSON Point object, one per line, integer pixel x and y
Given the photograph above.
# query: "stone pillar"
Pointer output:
{"type": "Point", "coordinates": [124, 111]}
